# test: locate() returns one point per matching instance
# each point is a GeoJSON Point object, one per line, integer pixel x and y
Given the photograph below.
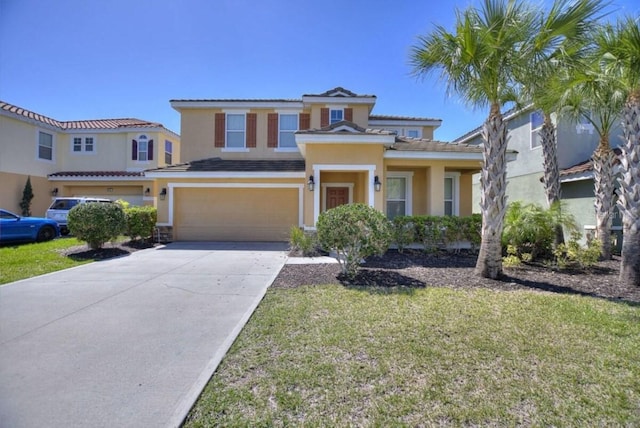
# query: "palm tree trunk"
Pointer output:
{"type": "Point", "coordinates": [629, 192]}
{"type": "Point", "coordinates": [603, 179]}
{"type": "Point", "coordinates": [493, 184]}
{"type": "Point", "coordinates": [551, 170]}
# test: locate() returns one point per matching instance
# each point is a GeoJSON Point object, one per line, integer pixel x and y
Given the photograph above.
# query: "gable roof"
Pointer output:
{"type": "Point", "coordinates": [345, 126]}
{"type": "Point", "coordinates": [507, 115]}
{"type": "Point", "coordinates": [91, 124]}
{"type": "Point", "coordinates": [584, 170]}
{"type": "Point", "coordinates": [338, 92]}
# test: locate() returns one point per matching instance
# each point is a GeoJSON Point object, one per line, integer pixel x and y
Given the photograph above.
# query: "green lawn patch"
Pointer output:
{"type": "Point", "coordinates": [336, 356]}
{"type": "Point", "coordinates": [28, 260]}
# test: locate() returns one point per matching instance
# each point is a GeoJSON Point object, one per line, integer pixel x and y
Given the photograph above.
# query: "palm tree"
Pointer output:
{"type": "Point", "coordinates": [481, 62]}
{"type": "Point", "coordinates": [565, 31]}
{"type": "Point", "coordinates": [619, 49]}
{"type": "Point", "coordinates": [597, 96]}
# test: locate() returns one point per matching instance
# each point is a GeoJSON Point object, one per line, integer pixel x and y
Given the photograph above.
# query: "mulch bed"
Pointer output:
{"type": "Point", "coordinates": [418, 270]}
{"type": "Point", "coordinates": [108, 251]}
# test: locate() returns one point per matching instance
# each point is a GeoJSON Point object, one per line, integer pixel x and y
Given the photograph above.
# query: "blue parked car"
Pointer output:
{"type": "Point", "coordinates": [15, 228]}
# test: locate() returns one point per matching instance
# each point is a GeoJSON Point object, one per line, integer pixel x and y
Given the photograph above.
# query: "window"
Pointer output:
{"type": "Point", "coordinates": [45, 146]}
{"type": "Point", "coordinates": [83, 144]}
{"type": "Point", "coordinates": [143, 148]}
{"type": "Point", "coordinates": [413, 133]}
{"type": "Point", "coordinates": [398, 192]}
{"type": "Point", "coordinates": [537, 119]}
{"type": "Point", "coordinates": [335, 116]}
{"type": "Point", "coordinates": [288, 124]}
{"type": "Point", "coordinates": [584, 124]}
{"type": "Point", "coordinates": [168, 152]}
{"type": "Point", "coordinates": [235, 130]}
{"type": "Point", "coordinates": [451, 190]}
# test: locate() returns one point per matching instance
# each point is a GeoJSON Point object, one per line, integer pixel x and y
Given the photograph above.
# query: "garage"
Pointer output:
{"type": "Point", "coordinates": [235, 213]}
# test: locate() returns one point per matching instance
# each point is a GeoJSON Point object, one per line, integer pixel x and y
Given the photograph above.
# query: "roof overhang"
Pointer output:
{"type": "Point", "coordinates": [225, 174]}
{"type": "Point", "coordinates": [439, 155]}
{"type": "Point", "coordinates": [378, 123]}
{"type": "Point", "coordinates": [96, 178]}
{"type": "Point", "coordinates": [208, 104]}
{"type": "Point", "coordinates": [310, 99]}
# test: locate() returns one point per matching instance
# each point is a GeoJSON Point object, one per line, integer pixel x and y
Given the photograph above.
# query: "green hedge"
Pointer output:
{"type": "Point", "coordinates": [96, 222]}
{"type": "Point", "coordinates": [141, 221]}
{"type": "Point", "coordinates": [434, 232]}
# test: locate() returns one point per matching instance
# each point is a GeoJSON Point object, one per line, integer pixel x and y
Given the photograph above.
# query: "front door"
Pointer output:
{"type": "Point", "coordinates": [337, 196]}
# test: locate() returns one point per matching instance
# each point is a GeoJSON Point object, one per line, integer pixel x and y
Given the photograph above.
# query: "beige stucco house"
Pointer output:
{"type": "Point", "coordinates": [104, 158]}
{"type": "Point", "coordinates": [255, 167]}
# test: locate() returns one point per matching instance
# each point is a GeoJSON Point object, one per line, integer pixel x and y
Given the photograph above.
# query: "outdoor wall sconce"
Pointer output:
{"type": "Point", "coordinates": [311, 183]}
{"type": "Point", "coordinates": [54, 192]}
{"type": "Point", "coordinates": [147, 192]}
{"type": "Point", "coordinates": [377, 184]}
{"type": "Point", "coordinates": [163, 193]}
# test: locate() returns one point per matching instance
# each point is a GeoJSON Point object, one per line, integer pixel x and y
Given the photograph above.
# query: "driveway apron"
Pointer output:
{"type": "Point", "coordinates": [129, 341]}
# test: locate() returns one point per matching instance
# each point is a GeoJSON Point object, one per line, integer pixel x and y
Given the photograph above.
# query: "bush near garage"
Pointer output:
{"type": "Point", "coordinates": [96, 223]}
{"type": "Point", "coordinates": [141, 221]}
{"type": "Point", "coordinates": [353, 231]}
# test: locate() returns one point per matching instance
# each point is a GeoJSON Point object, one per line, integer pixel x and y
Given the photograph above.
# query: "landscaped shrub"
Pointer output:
{"type": "Point", "coordinates": [434, 232]}
{"type": "Point", "coordinates": [141, 221]}
{"type": "Point", "coordinates": [574, 254]}
{"type": "Point", "coordinates": [96, 222]}
{"type": "Point", "coordinates": [531, 229]}
{"type": "Point", "coordinates": [304, 242]}
{"type": "Point", "coordinates": [403, 230]}
{"type": "Point", "coordinates": [353, 231]}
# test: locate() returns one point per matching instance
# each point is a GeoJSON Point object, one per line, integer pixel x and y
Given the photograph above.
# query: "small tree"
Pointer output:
{"type": "Point", "coordinates": [27, 196]}
{"type": "Point", "coordinates": [96, 222]}
{"type": "Point", "coordinates": [353, 231]}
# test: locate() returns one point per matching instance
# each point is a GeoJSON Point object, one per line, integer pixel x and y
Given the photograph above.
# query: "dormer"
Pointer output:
{"type": "Point", "coordinates": [337, 105]}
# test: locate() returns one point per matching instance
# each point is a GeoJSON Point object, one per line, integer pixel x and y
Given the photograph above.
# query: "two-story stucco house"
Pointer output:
{"type": "Point", "coordinates": [575, 145]}
{"type": "Point", "coordinates": [255, 167]}
{"type": "Point", "coordinates": [103, 158]}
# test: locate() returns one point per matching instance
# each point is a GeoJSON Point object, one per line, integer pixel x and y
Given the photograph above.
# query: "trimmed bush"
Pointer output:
{"type": "Point", "coordinates": [96, 222]}
{"type": "Point", "coordinates": [141, 221]}
{"type": "Point", "coordinates": [303, 242]}
{"type": "Point", "coordinates": [353, 231]}
{"type": "Point", "coordinates": [435, 232]}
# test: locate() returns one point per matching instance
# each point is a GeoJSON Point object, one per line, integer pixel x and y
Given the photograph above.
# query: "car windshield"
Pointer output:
{"type": "Point", "coordinates": [64, 204]}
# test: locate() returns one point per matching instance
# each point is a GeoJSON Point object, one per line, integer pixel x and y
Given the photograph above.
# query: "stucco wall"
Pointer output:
{"type": "Point", "coordinates": [13, 186]}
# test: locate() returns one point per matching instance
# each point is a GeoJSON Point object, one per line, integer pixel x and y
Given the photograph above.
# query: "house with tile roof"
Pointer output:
{"type": "Point", "coordinates": [255, 167]}
{"type": "Point", "coordinates": [575, 145]}
{"type": "Point", "coordinates": [102, 158]}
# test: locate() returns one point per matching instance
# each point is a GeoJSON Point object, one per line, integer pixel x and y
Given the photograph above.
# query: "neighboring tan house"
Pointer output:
{"type": "Point", "coordinates": [575, 143]}
{"type": "Point", "coordinates": [255, 167]}
{"type": "Point", "coordinates": [104, 158]}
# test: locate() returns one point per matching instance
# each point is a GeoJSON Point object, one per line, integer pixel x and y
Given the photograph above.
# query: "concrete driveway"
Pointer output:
{"type": "Point", "coordinates": [129, 341]}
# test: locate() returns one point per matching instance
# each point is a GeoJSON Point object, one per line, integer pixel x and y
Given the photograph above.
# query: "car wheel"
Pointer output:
{"type": "Point", "coordinates": [46, 233]}
{"type": "Point", "coordinates": [64, 231]}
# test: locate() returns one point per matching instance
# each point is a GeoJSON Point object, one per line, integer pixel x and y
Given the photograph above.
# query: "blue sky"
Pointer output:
{"type": "Point", "coordinates": [90, 59]}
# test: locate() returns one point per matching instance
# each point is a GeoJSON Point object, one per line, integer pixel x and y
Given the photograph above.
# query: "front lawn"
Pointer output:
{"type": "Point", "coordinates": [338, 356]}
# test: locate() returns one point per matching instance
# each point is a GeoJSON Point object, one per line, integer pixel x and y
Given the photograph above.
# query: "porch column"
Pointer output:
{"type": "Point", "coordinates": [435, 190]}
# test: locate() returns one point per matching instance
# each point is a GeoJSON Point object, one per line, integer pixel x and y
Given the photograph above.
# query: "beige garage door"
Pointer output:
{"type": "Point", "coordinates": [237, 214]}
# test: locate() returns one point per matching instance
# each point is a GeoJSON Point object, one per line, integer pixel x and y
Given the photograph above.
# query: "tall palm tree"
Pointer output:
{"type": "Point", "coordinates": [481, 62]}
{"type": "Point", "coordinates": [619, 48]}
{"type": "Point", "coordinates": [565, 31]}
{"type": "Point", "coordinates": [597, 96]}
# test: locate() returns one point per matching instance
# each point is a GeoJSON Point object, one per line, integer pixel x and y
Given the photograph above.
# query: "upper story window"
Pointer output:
{"type": "Point", "coordinates": [584, 124]}
{"type": "Point", "coordinates": [45, 146]}
{"type": "Point", "coordinates": [142, 149]}
{"type": "Point", "coordinates": [537, 119]}
{"type": "Point", "coordinates": [168, 152]}
{"type": "Point", "coordinates": [335, 116]}
{"type": "Point", "coordinates": [288, 125]}
{"type": "Point", "coordinates": [413, 133]}
{"type": "Point", "coordinates": [235, 130]}
{"type": "Point", "coordinates": [83, 145]}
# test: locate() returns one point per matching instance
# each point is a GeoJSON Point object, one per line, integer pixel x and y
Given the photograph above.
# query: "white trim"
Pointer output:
{"type": "Point", "coordinates": [332, 138]}
{"type": "Point", "coordinates": [455, 176]}
{"type": "Point", "coordinates": [53, 145]}
{"type": "Point", "coordinates": [178, 104]}
{"type": "Point", "coordinates": [318, 168]}
{"type": "Point", "coordinates": [408, 200]}
{"type": "Point", "coordinates": [242, 113]}
{"type": "Point", "coordinates": [235, 111]}
{"type": "Point", "coordinates": [291, 131]}
{"type": "Point", "coordinates": [577, 177]}
{"type": "Point", "coordinates": [235, 149]}
{"type": "Point", "coordinates": [98, 178]}
{"type": "Point", "coordinates": [311, 99]}
{"type": "Point", "coordinates": [291, 110]}
{"type": "Point", "coordinates": [224, 174]}
{"type": "Point", "coordinates": [324, 187]}
{"type": "Point", "coordinates": [381, 123]}
{"type": "Point", "coordinates": [286, 149]}
{"type": "Point", "coordinates": [173, 186]}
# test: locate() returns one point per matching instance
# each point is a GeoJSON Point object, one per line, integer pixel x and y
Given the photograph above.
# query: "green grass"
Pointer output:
{"type": "Point", "coordinates": [28, 260]}
{"type": "Point", "coordinates": [334, 356]}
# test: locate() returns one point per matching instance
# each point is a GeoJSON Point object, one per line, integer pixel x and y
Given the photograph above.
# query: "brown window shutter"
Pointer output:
{"type": "Point", "coordinates": [272, 130]}
{"type": "Point", "coordinates": [150, 150]}
{"type": "Point", "coordinates": [348, 114]}
{"type": "Point", "coordinates": [220, 130]}
{"type": "Point", "coordinates": [134, 150]}
{"type": "Point", "coordinates": [251, 129]}
{"type": "Point", "coordinates": [324, 117]}
{"type": "Point", "coordinates": [304, 121]}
